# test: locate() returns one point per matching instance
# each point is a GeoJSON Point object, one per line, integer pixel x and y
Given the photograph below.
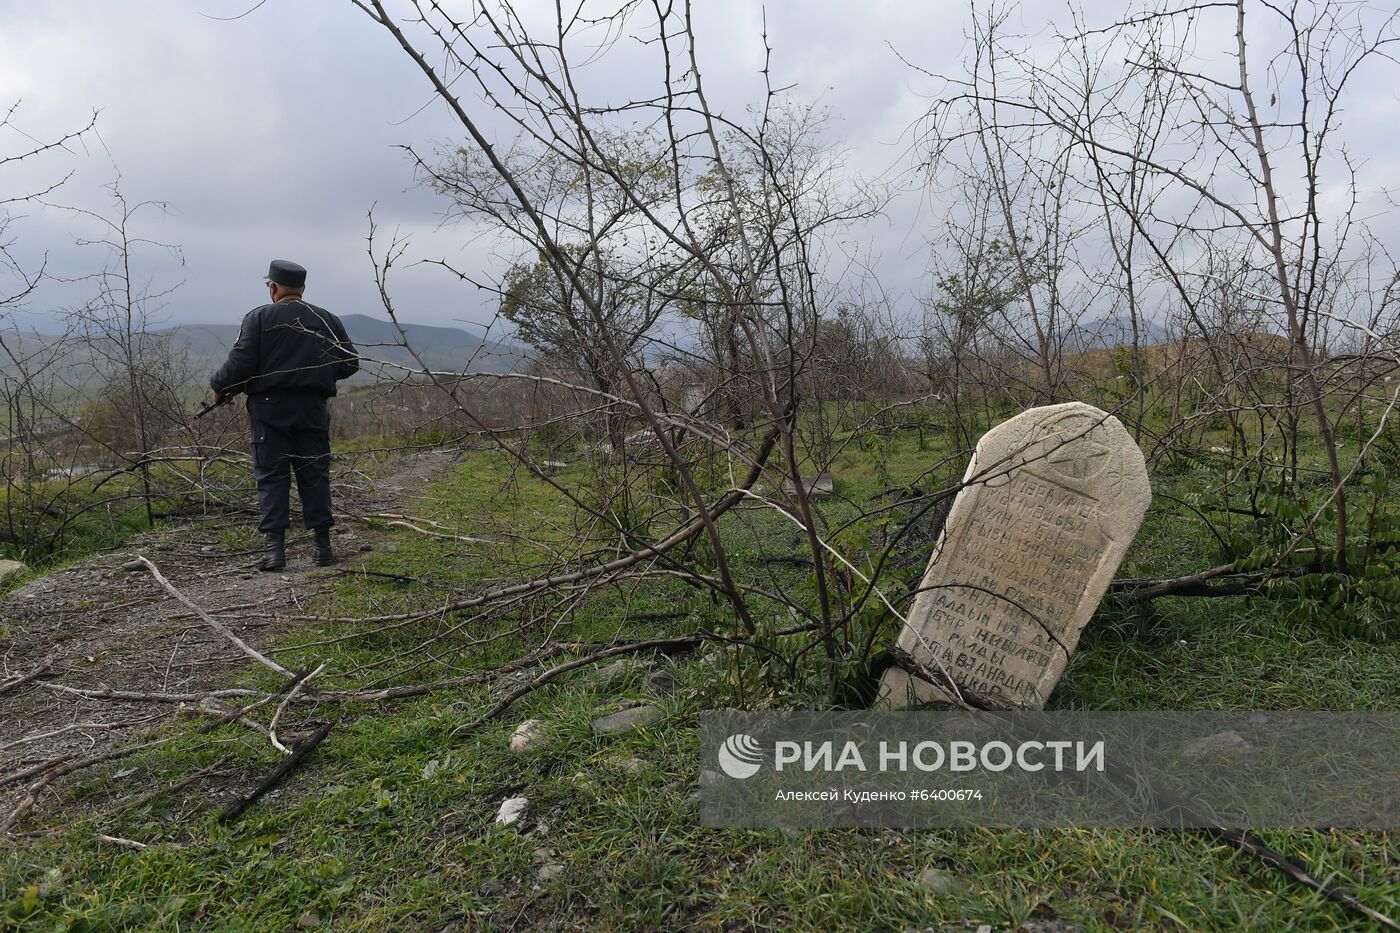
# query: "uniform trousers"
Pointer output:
{"type": "Point", "coordinates": [291, 435]}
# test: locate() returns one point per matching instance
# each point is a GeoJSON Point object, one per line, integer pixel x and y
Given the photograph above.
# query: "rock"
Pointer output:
{"type": "Point", "coordinates": [1049, 926]}
{"type": "Point", "coordinates": [309, 921]}
{"type": "Point", "coordinates": [527, 736]}
{"type": "Point", "coordinates": [549, 871]}
{"type": "Point", "coordinates": [620, 668]}
{"type": "Point", "coordinates": [133, 566]}
{"type": "Point", "coordinates": [1052, 499]}
{"type": "Point", "coordinates": [512, 809]}
{"type": "Point", "coordinates": [660, 683]}
{"type": "Point", "coordinates": [818, 487]}
{"type": "Point", "coordinates": [366, 547]}
{"type": "Point", "coordinates": [390, 549]}
{"type": "Point", "coordinates": [693, 396]}
{"type": "Point", "coordinates": [1219, 744]}
{"type": "Point", "coordinates": [8, 568]}
{"type": "Point", "coordinates": [626, 720]}
{"type": "Point", "coordinates": [208, 549]}
{"type": "Point", "coordinates": [938, 881]}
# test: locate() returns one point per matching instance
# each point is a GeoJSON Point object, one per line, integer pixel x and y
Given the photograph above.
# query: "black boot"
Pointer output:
{"type": "Point", "coordinates": [275, 557]}
{"type": "Point", "coordinates": [321, 554]}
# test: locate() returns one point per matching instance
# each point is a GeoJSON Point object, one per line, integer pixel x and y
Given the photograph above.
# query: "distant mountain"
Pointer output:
{"type": "Point", "coordinates": [1116, 330]}
{"type": "Point", "coordinates": [449, 349]}
{"type": "Point", "coordinates": [446, 349]}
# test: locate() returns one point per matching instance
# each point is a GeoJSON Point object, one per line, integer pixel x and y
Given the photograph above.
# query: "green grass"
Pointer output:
{"type": "Point", "coordinates": [391, 826]}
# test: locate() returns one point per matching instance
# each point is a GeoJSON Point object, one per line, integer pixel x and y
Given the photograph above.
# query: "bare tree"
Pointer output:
{"type": "Point", "coordinates": [1207, 200]}
{"type": "Point", "coordinates": [141, 373]}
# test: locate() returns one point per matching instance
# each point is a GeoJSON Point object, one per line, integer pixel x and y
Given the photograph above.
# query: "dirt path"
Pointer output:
{"type": "Point", "coordinates": [98, 625]}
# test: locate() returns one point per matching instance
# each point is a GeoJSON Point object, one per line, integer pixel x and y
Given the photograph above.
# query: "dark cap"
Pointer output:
{"type": "Point", "coordinates": [285, 273]}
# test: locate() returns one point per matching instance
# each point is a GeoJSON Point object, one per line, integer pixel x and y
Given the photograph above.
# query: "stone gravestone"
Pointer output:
{"type": "Point", "coordinates": [1052, 501]}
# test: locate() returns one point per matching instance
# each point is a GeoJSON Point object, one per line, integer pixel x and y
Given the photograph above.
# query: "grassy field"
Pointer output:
{"type": "Point", "coordinates": [392, 824]}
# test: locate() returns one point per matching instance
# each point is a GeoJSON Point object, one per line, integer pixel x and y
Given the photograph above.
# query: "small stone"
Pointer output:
{"type": "Point", "coordinates": [390, 549]}
{"type": "Point", "coordinates": [310, 921]}
{"type": "Point", "coordinates": [208, 549]}
{"type": "Point", "coordinates": [1220, 743]}
{"type": "Point", "coordinates": [818, 487]}
{"type": "Point", "coordinates": [366, 547]}
{"type": "Point", "coordinates": [527, 736]}
{"type": "Point", "coordinates": [133, 566]}
{"type": "Point", "coordinates": [660, 683]}
{"type": "Point", "coordinates": [549, 871]}
{"type": "Point", "coordinates": [620, 668]}
{"type": "Point", "coordinates": [938, 881]}
{"type": "Point", "coordinates": [512, 810]}
{"type": "Point", "coordinates": [245, 576]}
{"type": "Point", "coordinates": [626, 720]}
{"type": "Point", "coordinates": [632, 765]}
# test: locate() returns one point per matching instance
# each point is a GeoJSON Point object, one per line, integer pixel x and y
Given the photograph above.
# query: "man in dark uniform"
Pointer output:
{"type": "Point", "coordinates": [288, 358]}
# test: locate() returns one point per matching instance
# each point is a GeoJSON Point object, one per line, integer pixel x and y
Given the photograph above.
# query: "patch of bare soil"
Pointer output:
{"type": "Point", "coordinates": [98, 626]}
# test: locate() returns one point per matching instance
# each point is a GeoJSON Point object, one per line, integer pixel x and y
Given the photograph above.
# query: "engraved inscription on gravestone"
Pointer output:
{"type": "Point", "coordinates": [1052, 501]}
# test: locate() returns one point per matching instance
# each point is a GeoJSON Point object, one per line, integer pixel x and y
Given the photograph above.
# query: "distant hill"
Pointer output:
{"type": "Point", "coordinates": [449, 349]}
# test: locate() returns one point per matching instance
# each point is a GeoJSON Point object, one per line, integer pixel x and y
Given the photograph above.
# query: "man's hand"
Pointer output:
{"type": "Point", "coordinates": [220, 398]}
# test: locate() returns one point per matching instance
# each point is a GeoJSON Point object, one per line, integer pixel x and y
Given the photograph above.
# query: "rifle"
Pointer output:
{"type": "Point", "coordinates": [209, 407]}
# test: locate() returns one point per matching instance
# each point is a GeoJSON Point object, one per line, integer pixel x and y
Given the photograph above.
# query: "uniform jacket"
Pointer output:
{"type": "Point", "coordinates": [289, 346]}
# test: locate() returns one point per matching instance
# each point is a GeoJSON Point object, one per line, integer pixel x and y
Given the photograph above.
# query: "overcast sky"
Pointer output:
{"type": "Point", "coordinates": [271, 135]}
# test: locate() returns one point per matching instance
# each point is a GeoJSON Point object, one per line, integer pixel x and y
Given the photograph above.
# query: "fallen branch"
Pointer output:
{"type": "Point", "coordinates": [284, 768]}
{"type": "Point", "coordinates": [75, 727]}
{"type": "Point", "coordinates": [135, 696]}
{"type": "Point", "coordinates": [724, 503]}
{"type": "Point", "coordinates": [681, 641]}
{"type": "Point", "coordinates": [301, 681]}
{"type": "Point", "coordinates": [400, 523]}
{"type": "Point", "coordinates": [124, 843]}
{"type": "Point", "coordinates": [56, 768]}
{"type": "Point", "coordinates": [1162, 799]}
{"type": "Point", "coordinates": [415, 690]}
{"type": "Point", "coordinates": [148, 796]}
{"type": "Point", "coordinates": [14, 683]}
{"type": "Point", "coordinates": [214, 623]}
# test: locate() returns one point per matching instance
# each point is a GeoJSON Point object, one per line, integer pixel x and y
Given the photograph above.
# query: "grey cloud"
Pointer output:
{"type": "Point", "coordinates": [271, 135]}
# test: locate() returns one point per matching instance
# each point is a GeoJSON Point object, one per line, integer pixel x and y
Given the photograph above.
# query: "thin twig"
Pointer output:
{"type": "Point", "coordinates": [214, 623]}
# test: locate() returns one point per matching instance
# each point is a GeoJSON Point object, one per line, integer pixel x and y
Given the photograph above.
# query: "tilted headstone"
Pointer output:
{"type": "Point", "coordinates": [1052, 501]}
